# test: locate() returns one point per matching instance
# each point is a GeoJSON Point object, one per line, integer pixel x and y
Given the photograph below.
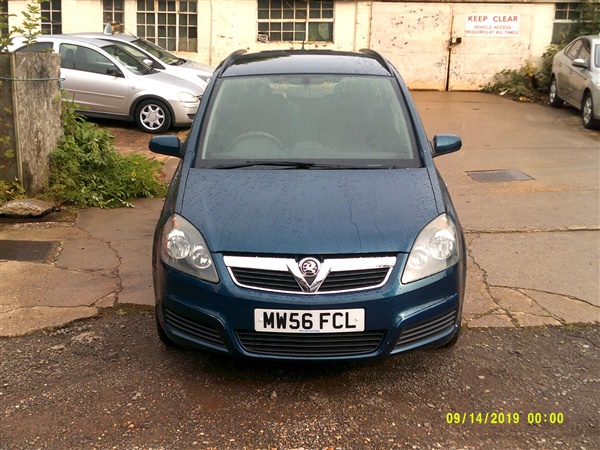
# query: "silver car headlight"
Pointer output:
{"type": "Point", "coordinates": [184, 249]}
{"type": "Point", "coordinates": [434, 250]}
{"type": "Point", "coordinates": [187, 97]}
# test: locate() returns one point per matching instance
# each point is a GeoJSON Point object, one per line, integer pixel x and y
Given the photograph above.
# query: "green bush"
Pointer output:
{"type": "Point", "coordinates": [86, 170]}
{"type": "Point", "coordinates": [519, 83]}
{"type": "Point", "coordinates": [11, 191]}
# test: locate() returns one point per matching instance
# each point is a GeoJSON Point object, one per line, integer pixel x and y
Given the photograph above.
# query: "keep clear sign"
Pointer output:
{"type": "Point", "coordinates": [493, 25]}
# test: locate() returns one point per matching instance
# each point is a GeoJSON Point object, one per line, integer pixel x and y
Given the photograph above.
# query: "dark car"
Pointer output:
{"type": "Point", "coordinates": [306, 219]}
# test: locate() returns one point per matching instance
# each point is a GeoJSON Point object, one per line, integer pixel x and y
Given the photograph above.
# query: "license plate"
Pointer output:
{"type": "Point", "coordinates": [314, 321]}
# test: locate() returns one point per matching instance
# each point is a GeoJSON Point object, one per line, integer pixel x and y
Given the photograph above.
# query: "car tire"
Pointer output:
{"type": "Point", "coordinates": [162, 335]}
{"type": "Point", "coordinates": [554, 100]}
{"type": "Point", "coordinates": [153, 116]}
{"type": "Point", "coordinates": [587, 113]}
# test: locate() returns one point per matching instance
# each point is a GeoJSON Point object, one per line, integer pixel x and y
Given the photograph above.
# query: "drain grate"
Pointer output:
{"type": "Point", "coordinates": [26, 250]}
{"type": "Point", "coordinates": [498, 176]}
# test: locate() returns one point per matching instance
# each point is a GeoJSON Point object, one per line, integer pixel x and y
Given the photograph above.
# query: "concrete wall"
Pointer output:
{"type": "Point", "coordinates": [416, 37]}
{"type": "Point", "coordinates": [232, 25]}
{"type": "Point", "coordinates": [413, 35]}
{"type": "Point", "coordinates": [30, 119]}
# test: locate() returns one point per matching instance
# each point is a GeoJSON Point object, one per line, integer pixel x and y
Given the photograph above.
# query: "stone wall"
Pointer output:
{"type": "Point", "coordinates": [30, 124]}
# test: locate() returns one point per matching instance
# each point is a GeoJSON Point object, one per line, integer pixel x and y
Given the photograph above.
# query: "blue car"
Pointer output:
{"type": "Point", "coordinates": [306, 219]}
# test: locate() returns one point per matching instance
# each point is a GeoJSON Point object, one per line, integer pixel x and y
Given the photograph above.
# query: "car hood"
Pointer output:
{"type": "Point", "coordinates": [314, 212]}
{"type": "Point", "coordinates": [163, 82]}
{"type": "Point", "coordinates": [189, 64]}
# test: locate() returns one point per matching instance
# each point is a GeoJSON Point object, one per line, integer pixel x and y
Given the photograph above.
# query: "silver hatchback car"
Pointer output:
{"type": "Point", "coordinates": [108, 81]}
{"type": "Point", "coordinates": [576, 78]}
{"type": "Point", "coordinates": [158, 57]}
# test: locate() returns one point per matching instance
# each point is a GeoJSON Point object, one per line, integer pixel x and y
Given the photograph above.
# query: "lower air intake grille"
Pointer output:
{"type": "Point", "coordinates": [196, 330]}
{"type": "Point", "coordinates": [310, 345]}
{"type": "Point", "coordinates": [426, 330]}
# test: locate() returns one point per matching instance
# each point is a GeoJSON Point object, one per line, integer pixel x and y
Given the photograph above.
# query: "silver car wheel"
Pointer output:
{"type": "Point", "coordinates": [153, 116]}
{"type": "Point", "coordinates": [587, 113]}
{"type": "Point", "coordinates": [554, 99]}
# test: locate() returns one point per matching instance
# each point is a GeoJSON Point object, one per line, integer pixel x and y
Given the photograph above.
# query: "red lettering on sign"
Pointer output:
{"type": "Point", "coordinates": [476, 18]}
{"type": "Point", "coordinates": [506, 18]}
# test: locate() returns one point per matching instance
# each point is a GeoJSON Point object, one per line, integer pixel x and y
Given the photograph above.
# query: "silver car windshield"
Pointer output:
{"type": "Point", "coordinates": [158, 52]}
{"type": "Point", "coordinates": [597, 55]}
{"type": "Point", "coordinates": [358, 120]}
{"type": "Point", "coordinates": [127, 59]}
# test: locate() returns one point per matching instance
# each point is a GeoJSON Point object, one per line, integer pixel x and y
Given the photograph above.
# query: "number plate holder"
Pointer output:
{"type": "Point", "coordinates": [309, 321]}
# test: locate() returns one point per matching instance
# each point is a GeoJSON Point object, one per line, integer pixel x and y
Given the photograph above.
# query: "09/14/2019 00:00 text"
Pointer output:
{"type": "Point", "coordinates": [500, 418]}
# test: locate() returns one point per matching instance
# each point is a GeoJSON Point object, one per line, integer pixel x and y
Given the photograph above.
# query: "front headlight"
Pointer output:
{"type": "Point", "coordinates": [184, 249]}
{"type": "Point", "coordinates": [186, 97]}
{"type": "Point", "coordinates": [434, 250]}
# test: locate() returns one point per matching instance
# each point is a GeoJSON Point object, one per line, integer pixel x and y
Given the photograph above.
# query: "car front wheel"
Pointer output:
{"type": "Point", "coordinates": [153, 116]}
{"type": "Point", "coordinates": [555, 100]}
{"type": "Point", "coordinates": [587, 113]}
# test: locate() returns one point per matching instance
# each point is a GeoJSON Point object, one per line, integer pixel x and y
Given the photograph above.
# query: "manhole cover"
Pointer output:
{"type": "Point", "coordinates": [498, 176]}
{"type": "Point", "coordinates": [26, 250]}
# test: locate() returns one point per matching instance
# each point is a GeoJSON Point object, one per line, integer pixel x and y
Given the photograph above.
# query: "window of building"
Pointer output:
{"type": "Point", "coordinates": [566, 16]}
{"type": "Point", "coordinates": [4, 18]}
{"type": "Point", "coordinates": [170, 24]}
{"type": "Point", "coordinates": [51, 17]}
{"type": "Point", "coordinates": [112, 11]}
{"type": "Point", "coordinates": [295, 20]}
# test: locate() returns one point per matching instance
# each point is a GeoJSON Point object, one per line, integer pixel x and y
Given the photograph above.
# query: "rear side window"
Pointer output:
{"type": "Point", "coordinates": [37, 47]}
{"type": "Point", "coordinates": [309, 117]}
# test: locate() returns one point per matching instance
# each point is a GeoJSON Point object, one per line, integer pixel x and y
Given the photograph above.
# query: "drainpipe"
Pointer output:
{"type": "Point", "coordinates": [210, 38]}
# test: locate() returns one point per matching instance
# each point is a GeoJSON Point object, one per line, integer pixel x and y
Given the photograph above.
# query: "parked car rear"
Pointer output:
{"type": "Point", "coordinates": [106, 80]}
{"type": "Point", "coordinates": [576, 78]}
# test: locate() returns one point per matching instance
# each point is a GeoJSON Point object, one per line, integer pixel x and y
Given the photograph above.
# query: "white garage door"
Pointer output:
{"type": "Point", "coordinates": [451, 46]}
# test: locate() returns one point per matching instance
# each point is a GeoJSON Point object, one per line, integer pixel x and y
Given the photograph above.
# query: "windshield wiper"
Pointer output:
{"type": "Point", "coordinates": [288, 164]}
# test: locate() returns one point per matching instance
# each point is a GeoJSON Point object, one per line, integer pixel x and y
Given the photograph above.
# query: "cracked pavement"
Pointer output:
{"type": "Point", "coordinates": [533, 246]}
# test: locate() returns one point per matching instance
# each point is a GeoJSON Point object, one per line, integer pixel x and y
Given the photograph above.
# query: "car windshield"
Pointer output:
{"type": "Point", "coordinates": [159, 52]}
{"type": "Point", "coordinates": [331, 121]}
{"type": "Point", "coordinates": [126, 58]}
{"type": "Point", "coordinates": [597, 55]}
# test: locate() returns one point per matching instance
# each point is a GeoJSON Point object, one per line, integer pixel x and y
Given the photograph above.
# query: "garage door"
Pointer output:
{"type": "Point", "coordinates": [451, 46]}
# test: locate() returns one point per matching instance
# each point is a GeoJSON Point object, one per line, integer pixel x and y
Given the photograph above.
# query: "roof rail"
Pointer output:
{"type": "Point", "coordinates": [378, 57]}
{"type": "Point", "coordinates": [229, 60]}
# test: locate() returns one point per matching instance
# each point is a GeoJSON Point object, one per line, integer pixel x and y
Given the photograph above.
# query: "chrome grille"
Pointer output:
{"type": "Point", "coordinates": [426, 330]}
{"type": "Point", "coordinates": [196, 330]}
{"type": "Point", "coordinates": [310, 345]}
{"type": "Point", "coordinates": [284, 274]}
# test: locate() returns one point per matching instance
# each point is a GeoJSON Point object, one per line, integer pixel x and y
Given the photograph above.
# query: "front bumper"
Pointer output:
{"type": "Point", "coordinates": [183, 113]}
{"type": "Point", "coordinates": [220, 317]}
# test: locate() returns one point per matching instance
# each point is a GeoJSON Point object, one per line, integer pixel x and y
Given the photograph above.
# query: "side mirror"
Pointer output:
{"type": "Point", "coordinates": [149, 62]}
{"type": "Point", "coordinates": [445, 143]}
{"type": "Point", "coordinates": [580, 62]}
{"type": "Point", "coordinates": [166, 145]}
{"type": "Point", "coordinates": [114, 71]}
